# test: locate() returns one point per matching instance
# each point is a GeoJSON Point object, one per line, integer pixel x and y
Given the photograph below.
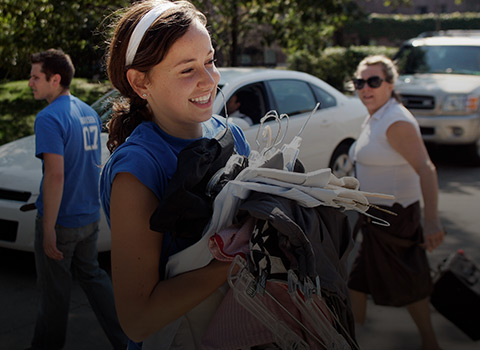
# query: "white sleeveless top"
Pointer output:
{"type": "Point", "coordinates": [380, 168]}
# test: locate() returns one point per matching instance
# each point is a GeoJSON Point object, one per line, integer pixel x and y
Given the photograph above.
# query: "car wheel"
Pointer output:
{"type": "Point", "coordinates": [340, 163]}
{"type": "Point", "coordinates": [473, 153]}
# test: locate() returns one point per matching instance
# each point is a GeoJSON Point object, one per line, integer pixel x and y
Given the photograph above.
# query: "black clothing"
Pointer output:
{"type": "Point", "coordinates": [391, 265]}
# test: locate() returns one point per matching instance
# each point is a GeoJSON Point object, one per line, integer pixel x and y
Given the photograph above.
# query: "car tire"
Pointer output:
{"type": "Point", "coordinates": [473, 153]}
{"type": "Point", "coordinates": [340, 162]}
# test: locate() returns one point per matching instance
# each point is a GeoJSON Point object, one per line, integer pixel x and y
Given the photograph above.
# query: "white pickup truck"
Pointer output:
{"type": "Point", "coordinates": [440, 84]}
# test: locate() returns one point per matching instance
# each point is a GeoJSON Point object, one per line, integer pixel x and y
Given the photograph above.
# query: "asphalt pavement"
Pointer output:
{"type": "Point", "coordinates": [19, 299]}
{"type": "Point", "coordinates": [386, 328]}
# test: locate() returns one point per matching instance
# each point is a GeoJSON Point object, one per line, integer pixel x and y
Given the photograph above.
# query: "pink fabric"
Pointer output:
{"type": "Point", "coordinates": [231, 241]}
{"type": "Point", "coordinates": [234, 327]}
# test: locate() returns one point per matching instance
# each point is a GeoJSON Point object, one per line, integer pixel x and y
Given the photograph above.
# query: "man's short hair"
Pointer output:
{"type": "Point", "coordinates": [55, 61]}
{"type": "Point", "coordinates": [243, 96]}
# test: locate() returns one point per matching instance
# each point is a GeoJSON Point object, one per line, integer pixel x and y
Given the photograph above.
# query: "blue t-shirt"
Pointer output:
{"type": "Point", "coordinates": [71, 128]}
{"type": "Point", "coordinates": [150, 154]}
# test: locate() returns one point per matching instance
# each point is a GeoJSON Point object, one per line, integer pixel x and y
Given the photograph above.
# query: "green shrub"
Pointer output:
{"type": "Point", "coordinates": [335, 65]}
{"type": "Point", "coordinates": [18, 108]}
{"type": "Point", "coordinates": [396, 28]}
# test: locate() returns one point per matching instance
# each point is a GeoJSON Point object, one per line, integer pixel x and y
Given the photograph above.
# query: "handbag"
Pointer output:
{"type": "Point", "coordinates": [456, 293]}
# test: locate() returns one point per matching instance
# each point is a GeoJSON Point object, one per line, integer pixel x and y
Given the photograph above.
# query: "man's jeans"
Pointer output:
{"type": "Point", "coordinates": [54, 278]}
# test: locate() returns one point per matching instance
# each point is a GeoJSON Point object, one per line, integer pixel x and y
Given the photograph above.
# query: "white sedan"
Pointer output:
{"type": "Point", "coordinates": [326, 137]}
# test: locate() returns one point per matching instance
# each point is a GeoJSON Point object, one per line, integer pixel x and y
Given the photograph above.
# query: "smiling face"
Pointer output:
{"type": "Point", "coordinates": [374, 98]}
{"type": "Point", "coordinates": [181, 89]}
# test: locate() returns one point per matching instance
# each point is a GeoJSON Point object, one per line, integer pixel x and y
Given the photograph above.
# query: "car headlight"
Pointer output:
{"type": "Point", "coordinates": [461, 103]}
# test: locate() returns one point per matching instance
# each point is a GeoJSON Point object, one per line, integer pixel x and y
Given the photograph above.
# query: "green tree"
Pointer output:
{"type": "Point", "coordinates": [291, 24]}
{"type": "Point", "coordinates": [79, 26]}
{"type": "Point", "coordinates": [36, 25]}
{"type": "Point", "coordinates": [304, 24]}
{"type": "Point", "coordinates": [231, 24]}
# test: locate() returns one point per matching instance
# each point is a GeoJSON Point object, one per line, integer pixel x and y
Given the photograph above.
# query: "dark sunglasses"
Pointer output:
{"type": "Point", "coordinates": [373, 82]}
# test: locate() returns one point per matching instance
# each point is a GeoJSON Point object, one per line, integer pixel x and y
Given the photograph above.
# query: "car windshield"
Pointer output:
{"type": "Point", "coordinates": [439, 59]}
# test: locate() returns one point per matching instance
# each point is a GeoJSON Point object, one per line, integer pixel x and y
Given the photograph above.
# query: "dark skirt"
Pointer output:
{"type": "Point", "coordinates": [391, 265]}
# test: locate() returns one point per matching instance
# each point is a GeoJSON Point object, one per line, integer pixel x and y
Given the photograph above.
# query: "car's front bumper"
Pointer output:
{"type": "Point", "coordinates": [453, 130]}
{"type": "Point", "coordinates": [17, 228]}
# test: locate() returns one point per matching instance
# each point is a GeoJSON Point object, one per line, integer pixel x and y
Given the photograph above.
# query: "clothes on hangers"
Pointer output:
{"type": "Point", "coordinates": [312, 241]}
{"type": "Point", "coordinates": [234, 327]}
{"type": "Point", "coordinates": [307, 190]}
{"type": "Point", "coordinates": [229, 242]}
{"type": "Point", "coordinates": [303, 219]}
{"type": "Point", "coordinates": [185, 209]}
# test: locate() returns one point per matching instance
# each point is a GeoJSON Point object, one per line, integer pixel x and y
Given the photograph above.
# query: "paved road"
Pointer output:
{"type": "Point", "coordinates": [386, 328]}
{"type": "Point", "coordinates": [19, 300]}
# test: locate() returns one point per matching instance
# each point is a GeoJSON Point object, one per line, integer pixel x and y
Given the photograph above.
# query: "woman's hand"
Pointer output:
{"type": "Point", "coordinates": [433, 235]}
{"type": "Point", "coordinates": [145, 303]}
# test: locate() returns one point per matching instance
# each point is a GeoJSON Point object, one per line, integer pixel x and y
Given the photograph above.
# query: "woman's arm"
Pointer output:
{"type": "Point", "coordinates": [144, 303]}
{"type": "Point", "coordinates": [404, 138]}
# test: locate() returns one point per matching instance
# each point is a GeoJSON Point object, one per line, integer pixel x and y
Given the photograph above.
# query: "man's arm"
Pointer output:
{"type": "Point", "coordinates": [53, 178]}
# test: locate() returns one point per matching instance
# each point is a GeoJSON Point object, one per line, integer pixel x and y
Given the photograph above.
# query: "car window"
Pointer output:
{"type": "Point", "coordinates": [292, 96]}
{"type": "Point", "coordinates": [439, 59]}
{"type": "Point", "coordinates": [326, 100]}
{"type": "Point", "coordinates": [254, 103]}
{"type": "Point", "coordinates": [103, 107]}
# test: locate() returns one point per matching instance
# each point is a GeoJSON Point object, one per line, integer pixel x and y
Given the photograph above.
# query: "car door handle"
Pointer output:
{"type": "Point", "coordinates": [326, 122]}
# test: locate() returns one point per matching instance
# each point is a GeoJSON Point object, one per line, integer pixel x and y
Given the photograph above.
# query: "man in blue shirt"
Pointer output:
{"type": "Point", "coordinates": [68, 143]}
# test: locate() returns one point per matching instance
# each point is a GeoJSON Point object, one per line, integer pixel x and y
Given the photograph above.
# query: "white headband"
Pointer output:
{"type": "Point", "coordinates": [142, 27]}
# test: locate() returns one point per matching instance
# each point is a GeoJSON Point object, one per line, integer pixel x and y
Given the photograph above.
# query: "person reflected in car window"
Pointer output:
{"type": "Point", "coordinates": [390, 157]}
{"type": "Point", "coordinates": [67, 134]}
{"type": "Point", "coordinates": [234, 106]}
{"type": "Point", "coordinates": [162, 61]}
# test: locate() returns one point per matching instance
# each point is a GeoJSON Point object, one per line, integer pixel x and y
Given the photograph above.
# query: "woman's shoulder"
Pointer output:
{"type": "Point", "coordinates": [397, 112]}
{"type": "Point", "coordinates": [151, 163]}
{"type": "Point", "coordinates": [145, 147]}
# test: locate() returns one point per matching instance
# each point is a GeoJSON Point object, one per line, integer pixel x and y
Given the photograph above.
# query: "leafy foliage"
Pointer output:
{"type": "Point", "coordinates": [230, 23]}
{"type": "Point", "coordinates": [19, 107]}
{"type": "Point", "coordinates": [335, 65]}
{"type": "Point", "coordinates": [37, 25]}
{"type": "Point", "coordinates": [292, 25]}
{"type": "Point", "coordinates": [398, 28]}
{"type": "Point", "coordinates": [78, 27]}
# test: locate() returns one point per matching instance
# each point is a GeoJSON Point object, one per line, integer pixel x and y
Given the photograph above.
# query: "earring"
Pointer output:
{"type": "Point", "coordinates": [144, 95]}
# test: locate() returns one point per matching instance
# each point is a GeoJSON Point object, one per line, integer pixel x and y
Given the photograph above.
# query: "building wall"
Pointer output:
{"type": "Point", "coordinates": [420, 6]}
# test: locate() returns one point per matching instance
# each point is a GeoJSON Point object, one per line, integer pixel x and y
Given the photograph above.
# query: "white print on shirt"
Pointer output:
{"type": "Point", "coordinates": [90, 137]}
{"type": "Point", "coordinates": [88, 119]}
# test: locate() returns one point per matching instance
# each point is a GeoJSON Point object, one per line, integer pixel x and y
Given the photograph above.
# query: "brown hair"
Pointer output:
{"type": "Point", "coordinates": [388, 67]}
{"type": "Point", "coordinates": [55, 62]}
{"type": "Point", "coordinates": [130, 110]}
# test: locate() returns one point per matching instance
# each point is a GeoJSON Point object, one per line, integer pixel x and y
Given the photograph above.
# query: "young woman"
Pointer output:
{"type": "Point", "coordinates": [390, 157]}
{"type": "Point", "coordinates": [162, 61]}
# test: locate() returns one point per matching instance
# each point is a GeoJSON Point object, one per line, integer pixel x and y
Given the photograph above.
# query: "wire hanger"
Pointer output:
{"type": "Point", "coordinates": [270, 114]}
{"type": "Point", "coordinates": [291, 150]}
{"type": "Point", "coordinates": [219, 137]}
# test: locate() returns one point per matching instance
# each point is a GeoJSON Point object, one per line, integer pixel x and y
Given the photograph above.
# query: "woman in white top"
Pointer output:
{"type": "Point", "coordinates": [390, 157]}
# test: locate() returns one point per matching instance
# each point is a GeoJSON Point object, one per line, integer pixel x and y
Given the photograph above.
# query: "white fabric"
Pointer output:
{"type": "Point", "coordinates": [240, 115]}
{"type": "Point", "coordinates": [309, 190]}
{"type": "Point", "coordinates": [380, 168]}
{"type": "Point", "coordinates": [141, 28]}
{"type": "Point", "coordinates": [312, 189]}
